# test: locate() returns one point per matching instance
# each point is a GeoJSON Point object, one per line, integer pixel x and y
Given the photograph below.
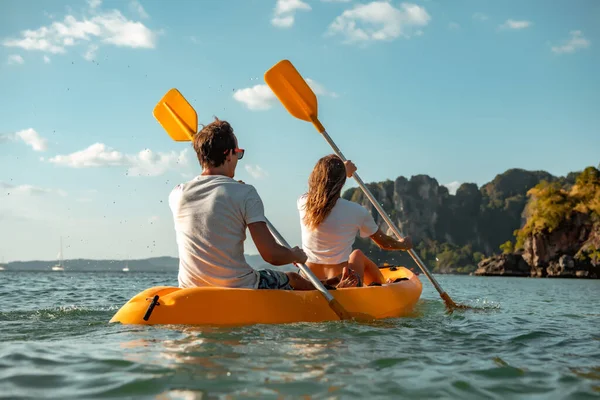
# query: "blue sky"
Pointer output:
{"type": "Point", "coordinates": [459, 90]}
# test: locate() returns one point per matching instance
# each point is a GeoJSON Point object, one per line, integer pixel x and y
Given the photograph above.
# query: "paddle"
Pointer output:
{"type": "Point", "coordinates": [300, 101]}
{"type": "Point", "coordinates": [179, 119]}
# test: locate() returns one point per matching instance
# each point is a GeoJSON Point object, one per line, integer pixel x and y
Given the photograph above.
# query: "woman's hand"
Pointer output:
{"type": "Point", "coordinates": [390, 243]}
{"type": "Point", "coordinates": [406, 242]}
{"type": "Point", "coordinates": [350, 168]}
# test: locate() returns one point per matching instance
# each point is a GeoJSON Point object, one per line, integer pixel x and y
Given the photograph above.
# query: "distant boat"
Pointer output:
{"type": "Point", "coordinates": [126, 268]}
{"type": "Point", "coordinates": [59, 266]}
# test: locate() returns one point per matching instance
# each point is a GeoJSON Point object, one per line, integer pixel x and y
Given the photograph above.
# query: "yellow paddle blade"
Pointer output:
{"type": "Point", "coordinates": [292, 90]}
{"type": "Point", "coordinates": [177, 116]}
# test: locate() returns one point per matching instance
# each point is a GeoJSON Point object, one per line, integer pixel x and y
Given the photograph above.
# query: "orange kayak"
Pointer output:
{"type": "Point", "coordinates": [234, 307]}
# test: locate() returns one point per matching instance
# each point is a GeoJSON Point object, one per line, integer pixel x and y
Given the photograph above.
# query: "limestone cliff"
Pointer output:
{"type": "Point", "coordinates": [461, 228]}
{"type": "Point", "coordinates": [453, 233]}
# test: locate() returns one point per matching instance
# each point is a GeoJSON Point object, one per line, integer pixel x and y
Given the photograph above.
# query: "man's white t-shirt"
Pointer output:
{"type": "Point", "coordinates": [331, 241]}
{"type": "Point", "coordinates": [210, 215]}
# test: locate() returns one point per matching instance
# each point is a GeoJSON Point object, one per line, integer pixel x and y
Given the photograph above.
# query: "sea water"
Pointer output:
{"type": "Point", "coordinates": [534, 339]}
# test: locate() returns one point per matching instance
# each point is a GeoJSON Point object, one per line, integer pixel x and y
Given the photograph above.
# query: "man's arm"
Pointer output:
{"type": "Point", "coordinates": [271, 251]}
{"type": "Point", "coordinates": [389, 243]}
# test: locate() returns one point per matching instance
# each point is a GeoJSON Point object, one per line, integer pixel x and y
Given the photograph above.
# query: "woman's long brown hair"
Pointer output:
{"type": "Point", "coordinates": [324, 188]}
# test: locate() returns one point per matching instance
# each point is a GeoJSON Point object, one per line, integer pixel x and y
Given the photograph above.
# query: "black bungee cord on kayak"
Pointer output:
{"type": "Point", "coordinates": [153, 304]}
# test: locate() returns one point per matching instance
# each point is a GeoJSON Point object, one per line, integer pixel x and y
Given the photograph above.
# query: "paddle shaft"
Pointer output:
{"type": "Point", "coordinates": [333, 303]}
{"type": "Point", "coordinates": [383, 214]}
{"type": "Point", "coordinates": [313, 279]}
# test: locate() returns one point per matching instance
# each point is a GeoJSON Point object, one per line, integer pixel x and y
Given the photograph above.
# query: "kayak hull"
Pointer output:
{"type": "Point", "coordinates": [234, 307]}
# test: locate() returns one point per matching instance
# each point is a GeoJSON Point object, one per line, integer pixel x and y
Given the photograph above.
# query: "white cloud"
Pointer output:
{"type": "Point", "coordinates": [137, 8]}
{"type": "Point", "coordinates": [336, 1]}
{"type": "Point", "coordinates": [453, 26]}
{"type": "Point", "coordinates": [319, 89]}
{"type": "Point", "coordinates": [285, 11]}
{"type": "Point", "coordinates": [144, 163]}
{"type": "Point", "coordinates": [261, 97]}
{"type": "Point", "coordinates": [283, 22]}
{"type": "Point", "coordinates": [148, 163]}
{"type": "Point", "coordinates": [46, 59]}
{"type": "Point", "coordinates": [96, 155]}
{"type": "Point", "coordinates": [33, 139]}
{"type": "Point", "coordinates": [91, 52]}
{"type": "Point", "coordinates": [452, 186]}
{"type": "Point", "coordinates": [29, 190]}
{"type": "Point", "coordinates": [15, 59]}
{"type": "Point", "coordinates": [256, 171]}
{"type": "Point", "coordinates": [94, 3]}
{"type": "Point", "coordinates": [109, 27]}
{"type": "Point", "coordinates": [379, 21]}
{"type": "Point", "coordinates": [121, 32]}
{"type": "Point", "coordinates": [575, 42]}
{"type": "Point", "coordinates": [480, 16]}
{"type": "Point", "coordinates": [513, 24]}
{"type": "Point", "coordinates": [257, 97]}
{"type": "Point", "coordinates": [28, 136]}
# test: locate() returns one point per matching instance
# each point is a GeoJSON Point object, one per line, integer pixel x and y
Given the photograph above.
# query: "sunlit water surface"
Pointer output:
{"type": "Point", "coordinates": [537, 338]}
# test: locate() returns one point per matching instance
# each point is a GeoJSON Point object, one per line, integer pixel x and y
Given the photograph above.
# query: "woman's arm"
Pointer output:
{"type": "Point", "coordinates": [381, 239]}
{"type": "Point", "coordinates": [386, 242]}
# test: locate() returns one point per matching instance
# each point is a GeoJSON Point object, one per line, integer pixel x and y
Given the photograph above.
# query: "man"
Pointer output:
{"type": "Point", "coordinates": [211, 213]}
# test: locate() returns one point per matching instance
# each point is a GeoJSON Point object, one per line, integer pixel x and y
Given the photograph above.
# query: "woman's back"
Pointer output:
{"type": "Point", "coordinates": [331, 241]}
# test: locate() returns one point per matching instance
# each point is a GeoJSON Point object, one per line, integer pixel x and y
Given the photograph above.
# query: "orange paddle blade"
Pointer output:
{"type": "Point", "coordinates": [177, 116]}
{"type": "Point", "coordinates": [292, 90]}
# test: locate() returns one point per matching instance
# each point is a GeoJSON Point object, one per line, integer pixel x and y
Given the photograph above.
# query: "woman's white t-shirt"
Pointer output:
{"type": "Point", "coordinates": [331, 242]}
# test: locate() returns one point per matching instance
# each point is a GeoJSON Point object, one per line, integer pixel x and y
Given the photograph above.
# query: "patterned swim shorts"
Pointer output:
{"type": "Point", "coordinates": [270, 279]}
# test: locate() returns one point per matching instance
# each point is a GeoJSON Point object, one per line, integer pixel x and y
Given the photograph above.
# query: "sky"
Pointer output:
{"type": "Point", "coordinates": [460, 91]}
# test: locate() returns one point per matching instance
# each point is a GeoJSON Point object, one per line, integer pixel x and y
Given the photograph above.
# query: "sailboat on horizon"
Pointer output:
{"type": "Point", "coordinates": [126, 268]}
{"type": "Point", "coordinates": [59, 266]}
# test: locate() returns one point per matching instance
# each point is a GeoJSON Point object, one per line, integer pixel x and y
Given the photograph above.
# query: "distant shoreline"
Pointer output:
{"type": "Point", "coordinates": [152, 264]}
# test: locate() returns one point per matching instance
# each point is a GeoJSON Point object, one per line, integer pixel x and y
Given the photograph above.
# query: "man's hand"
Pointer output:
{"type": "Point", "coordinates": [271, 251]}
{"type": "Point", "coordinates": [300, 256]}
{"type": "Point", "coordinates": [350, 168]}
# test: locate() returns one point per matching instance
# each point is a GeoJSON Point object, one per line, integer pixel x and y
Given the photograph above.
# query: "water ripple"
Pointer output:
{"type": "Point", "coordinates": [536, 339]}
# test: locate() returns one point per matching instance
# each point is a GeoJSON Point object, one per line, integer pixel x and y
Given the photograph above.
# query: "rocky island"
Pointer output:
{"type": "Point", "coordinates": [561, 233]}
{"type": "Point", "coordinates": [522, 223]}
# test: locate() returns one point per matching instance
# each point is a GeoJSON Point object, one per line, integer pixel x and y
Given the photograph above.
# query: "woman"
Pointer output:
{"type": "Point", "coordinates": [330, 224]}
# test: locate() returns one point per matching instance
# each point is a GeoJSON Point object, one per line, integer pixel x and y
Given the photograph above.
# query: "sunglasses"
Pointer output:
{"type": "Point", "coordinates": [239, 152]}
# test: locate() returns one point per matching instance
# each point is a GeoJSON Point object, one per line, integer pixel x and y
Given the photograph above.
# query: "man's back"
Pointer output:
{"type": "Point", "coordinates": [210, 215]}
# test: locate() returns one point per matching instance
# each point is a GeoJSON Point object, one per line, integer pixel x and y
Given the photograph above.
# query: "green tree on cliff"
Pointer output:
{"type": "Point", "coordinates": [551, 204]}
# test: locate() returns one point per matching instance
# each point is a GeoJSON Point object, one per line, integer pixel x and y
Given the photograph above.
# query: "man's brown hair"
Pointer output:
{"type": "Point", "coordinates": [213, 142]}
